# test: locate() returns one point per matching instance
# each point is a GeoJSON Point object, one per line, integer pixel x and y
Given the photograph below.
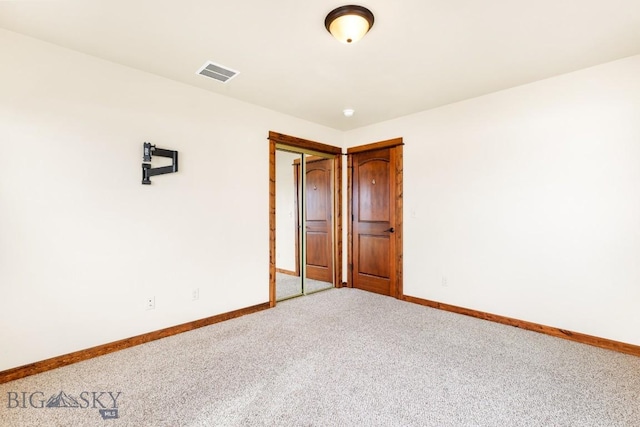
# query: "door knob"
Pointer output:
{"type": "Point", "coordinates": [391, 230]}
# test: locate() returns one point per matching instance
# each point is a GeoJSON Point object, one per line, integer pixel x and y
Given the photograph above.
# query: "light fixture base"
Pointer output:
{"type": "Point", "coordinates": [349, 23]}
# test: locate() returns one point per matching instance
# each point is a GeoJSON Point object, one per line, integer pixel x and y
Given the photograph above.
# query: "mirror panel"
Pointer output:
{"type": "Point", "coordinates": [288, 272]}
{"type": "Point", "coordinates": [318, 209]}
{"type": "Point", "coordinates": [304, 229]}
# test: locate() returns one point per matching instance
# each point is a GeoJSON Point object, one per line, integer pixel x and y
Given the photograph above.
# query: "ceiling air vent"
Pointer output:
{"type": "Point", "coordinates": [217, 72]}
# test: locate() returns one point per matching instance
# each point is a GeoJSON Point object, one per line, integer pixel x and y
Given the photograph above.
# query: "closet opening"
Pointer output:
{"type": "Point", "coordinates": [305, 217]}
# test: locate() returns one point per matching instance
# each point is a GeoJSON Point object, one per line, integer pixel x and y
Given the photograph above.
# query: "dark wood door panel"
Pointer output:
{"type": "Point", "coordinates": [375, 211]}
{"type": "Point", "coordinates": [317, 249]}
{"type": "Point", "coordinates": [373, 190]}
{"type": "Point", "coordinates": [374, 284]}
{"type": "Point", "coordinates": [318, 256]}
{"type": "Point", "coordinates": [374, 256]}
{"type": "Point", "coordinates": [318, 195]}
{"type": "Point", "coordinates": [373, 186]}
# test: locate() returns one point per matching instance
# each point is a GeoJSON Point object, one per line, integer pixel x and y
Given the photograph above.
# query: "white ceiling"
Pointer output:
{"type": "Point", "coordinates": [420, 54]}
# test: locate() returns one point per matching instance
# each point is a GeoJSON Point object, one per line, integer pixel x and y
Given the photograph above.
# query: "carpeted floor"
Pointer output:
{"type": "Point", "coordinates": [343, 357]}
{"type": "Point", "coordinates": [288, 286]}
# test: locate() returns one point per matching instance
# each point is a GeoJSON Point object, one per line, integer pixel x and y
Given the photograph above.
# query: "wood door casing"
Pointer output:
{"type": "Point", "coordinates": [376, 226]}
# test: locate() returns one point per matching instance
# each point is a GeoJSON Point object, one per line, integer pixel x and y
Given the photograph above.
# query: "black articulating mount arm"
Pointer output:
{"type": "Point", "coordinates": [148, 171]}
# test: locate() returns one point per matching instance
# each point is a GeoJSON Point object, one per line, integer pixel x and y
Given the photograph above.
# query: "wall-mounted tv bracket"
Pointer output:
{"type": "Point", "coordinates": [148, 171]}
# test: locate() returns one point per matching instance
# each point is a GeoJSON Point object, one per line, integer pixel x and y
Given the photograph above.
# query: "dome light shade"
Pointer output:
{"type": "Point", "coordinates": [349, 24]}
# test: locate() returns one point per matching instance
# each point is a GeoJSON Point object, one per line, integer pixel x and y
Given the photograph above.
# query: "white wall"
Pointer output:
{"type": "Point", "coordinates": [82, 242]}
{"type": "Point", "coordinates": [528, 201]}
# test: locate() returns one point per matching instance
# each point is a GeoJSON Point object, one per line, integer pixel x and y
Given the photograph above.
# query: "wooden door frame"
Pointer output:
{"type": "Point", "coordinates": [304, 144]}
{"type": "Point", "coordinates": [396, 155]}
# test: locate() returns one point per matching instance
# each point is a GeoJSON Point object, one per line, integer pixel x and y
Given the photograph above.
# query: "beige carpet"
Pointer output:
{"type": "Point", "coordinates": [340, 358]}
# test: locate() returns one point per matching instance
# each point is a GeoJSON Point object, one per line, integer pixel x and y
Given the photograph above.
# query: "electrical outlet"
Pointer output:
{"type": "Point", "coordinates": [445, 281]}
{"type": "Point", "coordinates": [195, 294]}
{"type": "Point", "coordinates": [151, 303]}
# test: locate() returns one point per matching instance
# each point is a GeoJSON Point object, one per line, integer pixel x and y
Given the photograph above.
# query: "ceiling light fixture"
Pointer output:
{"type": "Point", "coordinates": [348, 112]}
{"type": "Point", "coordinates": [349, 24]}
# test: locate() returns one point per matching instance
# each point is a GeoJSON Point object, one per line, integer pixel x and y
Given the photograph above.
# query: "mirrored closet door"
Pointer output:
{"type": "Point", "coordinates": [304, 229]}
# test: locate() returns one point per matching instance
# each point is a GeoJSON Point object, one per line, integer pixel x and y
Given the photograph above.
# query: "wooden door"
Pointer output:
{"type": "Point", "coordinates": [373, 210]}
{"type": "Point", "coordinates": [318, 226]}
